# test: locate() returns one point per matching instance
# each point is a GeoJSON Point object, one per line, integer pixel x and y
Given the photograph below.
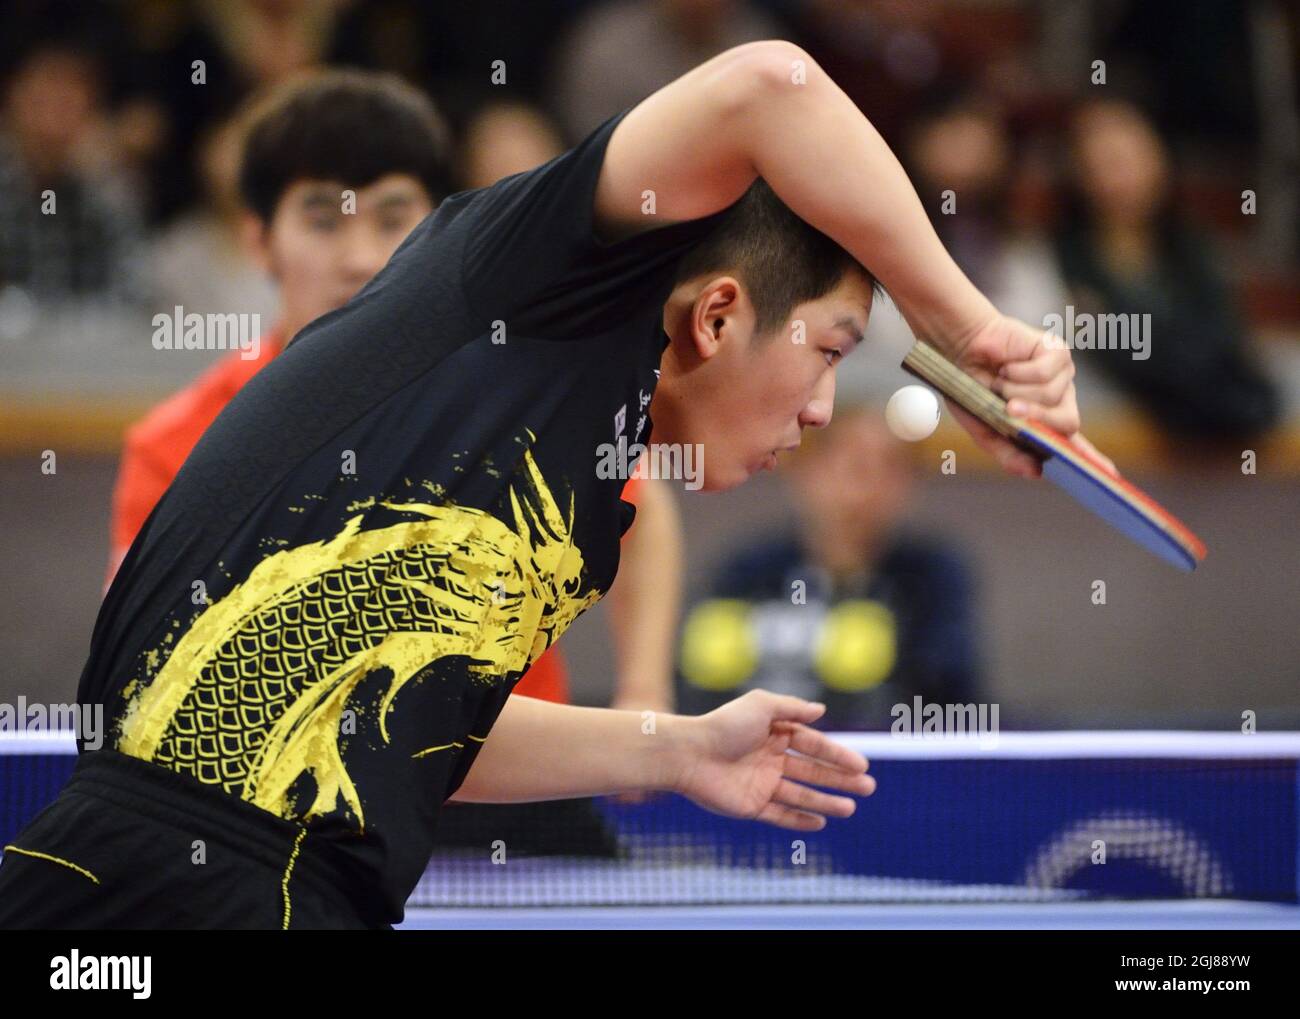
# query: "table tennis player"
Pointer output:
{"type": "Point", "coordinates": [315, 634]}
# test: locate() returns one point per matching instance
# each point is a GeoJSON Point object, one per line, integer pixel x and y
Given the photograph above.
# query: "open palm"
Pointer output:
{"type": "Point", "coordinates": [757, 758]}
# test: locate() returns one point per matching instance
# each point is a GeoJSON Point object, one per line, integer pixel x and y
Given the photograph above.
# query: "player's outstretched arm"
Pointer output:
{"type": "Point", "coordinates": [737, 760]}
{"type": "Point", "coordinates": [767, 109]}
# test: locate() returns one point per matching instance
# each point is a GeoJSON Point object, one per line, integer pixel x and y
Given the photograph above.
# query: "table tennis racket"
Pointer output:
{"type": "Point", "coordinates": [1086, 479]}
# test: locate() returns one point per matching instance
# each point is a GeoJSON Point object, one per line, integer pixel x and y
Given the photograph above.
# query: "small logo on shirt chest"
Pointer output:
{"type": "Point", "coordinates": [620, 418]}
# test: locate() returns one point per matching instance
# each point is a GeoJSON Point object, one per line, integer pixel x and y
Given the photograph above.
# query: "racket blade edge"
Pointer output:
{"type": "Point", "coordinates": [1118, 502]}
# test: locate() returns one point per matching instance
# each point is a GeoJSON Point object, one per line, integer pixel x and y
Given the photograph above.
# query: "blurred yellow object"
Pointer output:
{"type": "Point", "coordinates": [857, 646]}
{"type": "Point", "coordinates": [719, 650]}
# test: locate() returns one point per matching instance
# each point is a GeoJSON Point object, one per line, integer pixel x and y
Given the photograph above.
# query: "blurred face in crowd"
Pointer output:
{"type": "Point", "coordinates": [51, 104]}
{"type": "Point", "coordinates": [321, 256]}
{"type": "Point", "coordinates": [744, 398]}
{"type": "Point", "coordinates": [1120, 162]}
{"type": "Point", "coordinates": [507, 139]}
{"type": "Point", "coordinates": [851, 486]}
{"type": "Point", "coordinates": [966, 151]}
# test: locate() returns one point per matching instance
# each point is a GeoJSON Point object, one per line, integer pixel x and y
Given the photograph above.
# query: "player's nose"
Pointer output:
{"type": "Point", "coordinates": [817, 411]}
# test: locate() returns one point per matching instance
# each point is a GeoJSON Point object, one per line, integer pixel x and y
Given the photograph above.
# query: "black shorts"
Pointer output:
{"type": "Point", "coordinates": [131, 845]}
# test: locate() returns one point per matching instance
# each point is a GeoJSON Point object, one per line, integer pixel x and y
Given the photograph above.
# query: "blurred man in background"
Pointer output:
{"type": "Point", "coordinates": [847, 609]}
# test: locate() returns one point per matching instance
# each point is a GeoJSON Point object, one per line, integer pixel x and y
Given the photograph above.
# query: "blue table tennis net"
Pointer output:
{"type": "Point", "coordinates": [1036, 817]}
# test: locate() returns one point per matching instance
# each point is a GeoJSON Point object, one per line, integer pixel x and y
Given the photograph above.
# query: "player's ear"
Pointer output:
{"type": "Point", "coordinates": [720, 311]}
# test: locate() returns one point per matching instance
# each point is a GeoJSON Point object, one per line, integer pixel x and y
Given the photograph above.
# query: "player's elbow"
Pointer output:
{"type": "Point", "coordinates": [762, 71]}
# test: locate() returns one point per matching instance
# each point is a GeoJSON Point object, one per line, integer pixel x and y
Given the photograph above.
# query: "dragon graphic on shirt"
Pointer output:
{"type": "Point", "coordinates": [252, 697]}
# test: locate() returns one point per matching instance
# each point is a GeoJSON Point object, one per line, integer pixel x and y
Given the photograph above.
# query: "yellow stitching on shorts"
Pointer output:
{"type": "Point", "coordinates": [284, 883]}
{"type": "Point", "coordinates": [52, 859]}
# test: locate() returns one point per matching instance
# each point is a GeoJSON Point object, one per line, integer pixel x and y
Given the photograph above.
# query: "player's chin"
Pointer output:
{"type": "Point", "coordinates": [715, 480]}
{"type": "Point", "coordinates": [737, 477]}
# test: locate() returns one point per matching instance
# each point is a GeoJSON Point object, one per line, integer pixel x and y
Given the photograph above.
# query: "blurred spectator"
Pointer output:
{"type": "Point", "coordinates": [82, 240]}
{"type": "Point", "coordinates": [202, 260]}
{"type": "Point", "coordinates": [504, 139]}
{"type": "Point", "coordinates": [619, 53]}
{"type": "Point", "coordinates": [848, 610]}
{"type": "Point", "coordinates": [1125, 249]}
{"type": "Point", "coordinates": [964, 148]}
{"type": "Point", "coordinates": [269, 40]}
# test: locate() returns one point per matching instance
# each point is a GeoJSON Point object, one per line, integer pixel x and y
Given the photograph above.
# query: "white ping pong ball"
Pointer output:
{"type": "Point", "coordinates": [912, 413]}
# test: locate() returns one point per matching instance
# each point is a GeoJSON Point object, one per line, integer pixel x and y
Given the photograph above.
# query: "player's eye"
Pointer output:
{"type": "Point", "coordinates": [833, 355]}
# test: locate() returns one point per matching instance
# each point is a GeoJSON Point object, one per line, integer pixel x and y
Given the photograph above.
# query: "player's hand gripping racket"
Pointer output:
{"type": "Point", "coordinates": [1124, 506]}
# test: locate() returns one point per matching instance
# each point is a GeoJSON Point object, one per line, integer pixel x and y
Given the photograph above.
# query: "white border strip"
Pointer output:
{"type": "Point", "coordinates": [886, 746]}
{"type": "Point", "coordinates": [47, 742]}
{"type": "Point", "coordinates": [1081, 744]}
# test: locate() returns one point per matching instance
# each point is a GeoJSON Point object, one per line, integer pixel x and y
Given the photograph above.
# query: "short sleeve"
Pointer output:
{"type": "Point", "coordinates": [532, 258]}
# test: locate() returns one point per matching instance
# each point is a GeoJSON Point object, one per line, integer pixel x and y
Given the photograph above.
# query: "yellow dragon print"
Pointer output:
{"type": "Point", "coordinates": [253, 695]}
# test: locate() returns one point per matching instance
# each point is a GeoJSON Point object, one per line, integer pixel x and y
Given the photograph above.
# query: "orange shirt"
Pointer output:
{"type": "Point", "coordinates": [157, 445]}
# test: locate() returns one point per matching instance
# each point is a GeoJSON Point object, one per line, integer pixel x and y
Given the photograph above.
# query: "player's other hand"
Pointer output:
{"type": "Point", "coordinates": [756, 757]}
{"type": "Point", "coordinates": [1032, 370]}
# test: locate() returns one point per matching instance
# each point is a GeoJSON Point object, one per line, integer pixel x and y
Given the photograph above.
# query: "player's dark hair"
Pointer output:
{"type": "Point", "coordinates": [350, 126]}
{"type": "Point", "coordinates": [781, 259]}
